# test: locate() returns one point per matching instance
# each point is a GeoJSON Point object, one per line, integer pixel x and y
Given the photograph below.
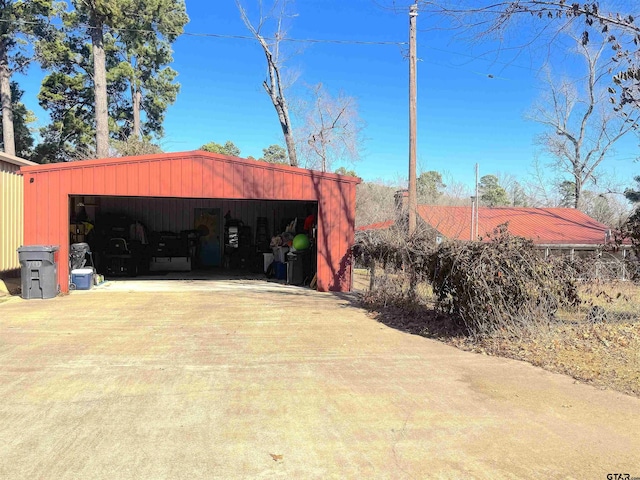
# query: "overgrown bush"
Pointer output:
{"type": "Point", "coordinates": [404, 258]}
{"type": "Point", "coordinates": [501, 285]}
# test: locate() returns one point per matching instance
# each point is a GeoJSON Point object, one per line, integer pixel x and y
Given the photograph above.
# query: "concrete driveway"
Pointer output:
{"type": "Point", "coordinates": [231, 380]}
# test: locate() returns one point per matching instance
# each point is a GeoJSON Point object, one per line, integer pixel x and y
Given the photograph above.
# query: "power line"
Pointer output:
{"type": "Point", "coordinates": [238, 37]}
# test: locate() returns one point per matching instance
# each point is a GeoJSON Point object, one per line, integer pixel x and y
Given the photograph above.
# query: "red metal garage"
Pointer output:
{"type": "Point", "coordinates": [49, 192]}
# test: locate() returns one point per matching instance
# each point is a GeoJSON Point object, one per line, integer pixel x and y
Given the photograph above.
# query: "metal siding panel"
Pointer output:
{"type": "Point", "coordinates": [247, 187]}
{"type": "Point", "coordinates": [208, 178]}
{"type": "Point", "coordinates": [76, 179]}
{"type": "Point", "coordinates": [343, 240]}
{"type": "Point", "coordinates": [334, 247]}
{"type": "Point", "coordinates": [187, 177]}
{"type": "Point", "coordinates": [132, 179]}
{"type": "Point", "coordinates": [42, 199]}
{"type": "Point", "coordinates": [164, 169]}
{"type": "Point", "coordinates": [99, 180]}
{"type": "Point", "coordinates": [87, 179]}
{"type": "Point", "coordinates": [60, 236]}
{"type": "Point", "coordinates": [54, 202]}
{"type": "Point", "coordinates": [110, 180]}
{"type": "Point", "coordinates": [257, 183]}
{"type": "Point", "coordinates": [155, 181]}
{"type": "Point", "coordinates": [297, 187]}
{"type": "Point", "coordinates": [308, 189]}
{"type": "Point", "coordinates": [196, 174]}
{"type": "Point", "coordinates": [267, 183]}
{"type": "Point", "coordinates": [122, 179]}
{"type": "Point", "coordinates": [30, 209]}
{"type": "Point", "coordinates": [238, 180]}
{"type": "Point", "coordinates": [11, 218]}
{"type": "Point", "coordinates": [351, 229]}
{"type": "Point", "coordinates": [217, 179]}
{"type": "Point", "coordinates": [58, 216]}
{"type": "Point", "coordinates": [65, 185]}
{"type": "Point", "coordinates": [323, 240]}
{"type": "Point", "coordinates": [287, 186]}
{"type": "Point", "coordinates": [270, 178]}
{"type": "Point", "coordinates": [144, 179]}
{"type": "Point", "coordinates": [174, 170]}
{"type": "Point", "coordinates": [227, 180]}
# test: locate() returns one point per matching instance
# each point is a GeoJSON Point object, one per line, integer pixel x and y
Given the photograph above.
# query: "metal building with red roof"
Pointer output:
{"type": "Point", "coordinates": [551, 228]}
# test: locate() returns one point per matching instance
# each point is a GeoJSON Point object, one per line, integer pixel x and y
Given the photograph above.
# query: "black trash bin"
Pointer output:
{"type": "Point", "coordinates": [39, 271]}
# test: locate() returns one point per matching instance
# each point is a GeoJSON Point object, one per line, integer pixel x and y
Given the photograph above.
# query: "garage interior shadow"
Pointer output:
{"type": "Point", "coordinates": [154, 238]}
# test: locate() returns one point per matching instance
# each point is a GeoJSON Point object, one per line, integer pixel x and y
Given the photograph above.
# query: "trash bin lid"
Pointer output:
{"type": "Point", "coordinates": [38, 248]}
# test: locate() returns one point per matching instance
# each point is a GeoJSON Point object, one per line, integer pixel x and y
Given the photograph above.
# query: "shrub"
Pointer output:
{"type": "Point", "coordinates": [500, 285]}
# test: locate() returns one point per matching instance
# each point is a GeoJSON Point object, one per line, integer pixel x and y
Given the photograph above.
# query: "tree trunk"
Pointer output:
{"type": "Point", "coordinates": [100, 90]}
{"type": "Point", "coordinates": [291, 147]}
{"type": "Point", "coordinates": [8, 136]}
{"type": "Point", "coordinates": [279, 103]}
{"type": "Point", "coordinates": [136, 98]}
{"type": "Point", "coordinates": [577, 192]}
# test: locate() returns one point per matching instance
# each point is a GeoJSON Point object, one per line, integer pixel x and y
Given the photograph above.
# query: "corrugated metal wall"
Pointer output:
{"type": "Point", "coordinates": [177, 214]}
{"type": "Point", "coordinates": [197, 175]}
{"type": "Point", "coordinates": [11, 216]}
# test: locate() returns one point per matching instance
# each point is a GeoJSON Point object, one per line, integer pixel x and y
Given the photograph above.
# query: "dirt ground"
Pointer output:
{"type": "Point", "coordinates": [246, 379]}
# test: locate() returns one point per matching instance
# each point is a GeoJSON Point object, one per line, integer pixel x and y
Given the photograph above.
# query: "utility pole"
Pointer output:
{"type": "Point", "coordinates": [413, 96]}
{"type": "Point", "coordinates": [477, 205]}
{"type": "Point", "coordinates": [473, 217]}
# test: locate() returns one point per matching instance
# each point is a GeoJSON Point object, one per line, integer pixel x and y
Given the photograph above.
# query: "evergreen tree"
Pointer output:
{"type": "Point", "coordinates": [568, 194]}
{"type": "Point", "coordinates": [348, 173]}
{"type": "Point", "coordinates": [492, 194]}
{"type": "Point", "coordinates": [429, 185]}
{"type": "Point", "coordinates": [229, 148]}
{"type": "Point", "coordinates": [275, 154]}
{"type": "Point", "coordinates": [68, 93]}
{"type": "Point", "coordinates": [144, 44]}
{"type": "Point", "coordinates": [21, 120]}
{"type": "Point", "coordinates": [18, 19]}
{"type": "Point", "coordinates": [91, 20]}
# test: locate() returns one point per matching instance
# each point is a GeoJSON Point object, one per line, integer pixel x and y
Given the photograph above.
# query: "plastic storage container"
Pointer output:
{"type": "Point", "coordinates": [82, 278]}
{"type": "Point", "coordinates": [280, 270]}
{"type": "Point", "coordinates": [268, 260]}
{"type": "Point", "coordinates": [38, 271]}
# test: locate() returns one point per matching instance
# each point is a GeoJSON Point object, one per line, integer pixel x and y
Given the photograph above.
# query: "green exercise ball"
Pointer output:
{"type": "Point", "coordinates": [301, 242]}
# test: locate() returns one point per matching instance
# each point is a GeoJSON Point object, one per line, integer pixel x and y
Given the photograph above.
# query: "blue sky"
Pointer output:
{"type": "Point", "coordinates": [464, 115]}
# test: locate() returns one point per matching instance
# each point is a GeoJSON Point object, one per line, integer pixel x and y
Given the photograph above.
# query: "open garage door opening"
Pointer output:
{"type": "Point", "coordinates": [194, 238]}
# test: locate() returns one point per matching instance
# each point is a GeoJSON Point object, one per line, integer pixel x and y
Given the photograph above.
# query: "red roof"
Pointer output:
{"type": "Point", "coordinates": [376, 226]}
{"type": "Point", "coordinates": [545, 226]}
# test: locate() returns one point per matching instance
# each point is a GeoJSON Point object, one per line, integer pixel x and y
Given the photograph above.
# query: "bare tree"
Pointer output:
{"type": "Point", "coordinates": [331, 129]}
{"type": "Point", "coordinates": [271, 47]}
{"type": "Point", "coordinates": [545, 20]}
{"type": "Point", "coordinates": [375, 202]}
{"type": "Point", "coordinates": [582, 124]}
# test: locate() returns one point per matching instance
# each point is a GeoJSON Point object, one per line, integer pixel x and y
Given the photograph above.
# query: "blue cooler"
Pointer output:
{"type": "Point", "coordinates": [280, 270]}
{"type": "Point", "coordinates": [82, 278]}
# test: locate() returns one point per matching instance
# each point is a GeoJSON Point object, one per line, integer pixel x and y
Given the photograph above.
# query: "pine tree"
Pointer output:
{"type": "Point", "coordinates": [68, 93]}
{"type": "Point", "coordinates": [144, 45]}
{"type": "Point", "coordinates": [492, 194]}
{"type": "Point", "coordinates": [21, 119]}
{"type": "Point", "coordinates": [19, 20]}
